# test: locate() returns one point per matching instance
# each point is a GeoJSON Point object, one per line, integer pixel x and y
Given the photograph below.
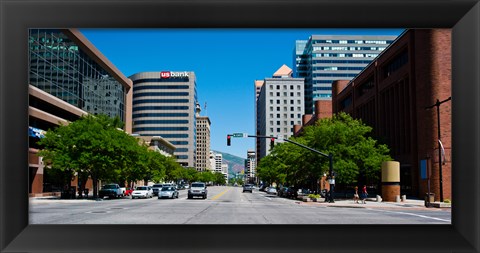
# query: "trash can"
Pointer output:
{"type": "Point", "coordinates": [429, 198]}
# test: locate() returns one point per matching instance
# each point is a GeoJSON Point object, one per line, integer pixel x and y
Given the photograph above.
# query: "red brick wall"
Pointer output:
{"type": "Point", "coordinates": [396, 107]}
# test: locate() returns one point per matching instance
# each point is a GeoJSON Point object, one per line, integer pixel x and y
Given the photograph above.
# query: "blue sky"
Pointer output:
{"type": "Point", "coordinates": [225, 61]}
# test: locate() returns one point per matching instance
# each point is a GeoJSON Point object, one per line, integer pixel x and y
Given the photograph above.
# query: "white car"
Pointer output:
{"type": "Point", "coordinates": [272, 190]}
{"type": "Point", "coordinates": [142, 192]}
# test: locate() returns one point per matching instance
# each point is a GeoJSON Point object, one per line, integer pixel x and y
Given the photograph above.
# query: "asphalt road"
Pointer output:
{"type": "Point", "coordinates": [224, 205]}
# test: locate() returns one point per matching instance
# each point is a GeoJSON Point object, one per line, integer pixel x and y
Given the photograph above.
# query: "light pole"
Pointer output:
{"type": "Point", "coordinates": [437, 104]}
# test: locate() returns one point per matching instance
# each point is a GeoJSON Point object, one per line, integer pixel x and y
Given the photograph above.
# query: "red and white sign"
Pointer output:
{"type": "Point", "coordinates": [165, 74]}
{"type": "Point", "coordinates": [169, 74]}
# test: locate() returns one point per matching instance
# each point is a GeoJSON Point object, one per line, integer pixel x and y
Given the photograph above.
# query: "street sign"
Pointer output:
{"type": "Point", "coordinates": [280, 138]}
{"type": "Point", "coordinates": [244, 135]}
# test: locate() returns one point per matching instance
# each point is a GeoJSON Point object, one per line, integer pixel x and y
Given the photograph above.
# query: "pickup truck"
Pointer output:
{"type": "Point", "coordinates": [111, 190]}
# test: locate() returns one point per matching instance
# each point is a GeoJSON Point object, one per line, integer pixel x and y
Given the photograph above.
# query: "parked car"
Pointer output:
{"type": "Point", "coordinates": [168, 192]}
{"type": "Point", "coordinates": [263, 188]}
{"type": "Point", "coordinates": [156, 188]}
{"type": "Point", "coordinates": [198, 189]}
{"type": "Point", "coordinates": [272, 190]}
{"type": "Point", "coordinates": [142, 192]}
{"type": "Point", "coordinates": [303, 192]}
{"type": "Point", "coordinates": [286, 192]}
{"type": "Point", "coordinates": [248, 188]}
{"type": "Point", "coordinates": [111, 191]}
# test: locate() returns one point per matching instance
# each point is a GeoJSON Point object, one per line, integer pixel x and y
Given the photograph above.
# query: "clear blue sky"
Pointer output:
{"type": "Point", "coordinates": [225, 61]}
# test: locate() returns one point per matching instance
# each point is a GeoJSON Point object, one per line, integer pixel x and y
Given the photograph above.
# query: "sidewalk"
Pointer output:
{"type": "Point", "coordinates": [416, 204]}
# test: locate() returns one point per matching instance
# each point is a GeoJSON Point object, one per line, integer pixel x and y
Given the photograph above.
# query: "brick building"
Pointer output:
{"type": "Point", "coordinates": [392, 95]}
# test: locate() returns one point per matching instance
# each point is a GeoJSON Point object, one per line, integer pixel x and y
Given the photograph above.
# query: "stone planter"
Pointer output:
{"type": "Point", "coordinates": [306, 199]}
{"type": "Point", "coordinates": [316, 200]}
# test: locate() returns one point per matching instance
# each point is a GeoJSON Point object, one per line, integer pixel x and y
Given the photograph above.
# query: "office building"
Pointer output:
{"type": "Point", "coordinates": [203, 141]}
{"type": "Point", "coordinates": [280, 106]}
{"type": "Point", "coordinates": [164, 105]}
{"type": "Point", "coordinates": [325, 58]}
{"type": "Point", "coordinates": [250, 167]}
{"type": "Point", "coordinates": [68, 78]}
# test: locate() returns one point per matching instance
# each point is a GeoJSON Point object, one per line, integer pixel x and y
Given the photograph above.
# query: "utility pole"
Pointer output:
{"type": "Point", "coordinates": [437, 104]}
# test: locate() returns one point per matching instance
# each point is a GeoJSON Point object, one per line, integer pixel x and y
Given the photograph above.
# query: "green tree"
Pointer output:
{"type": "Point", "coordinates": [219, 179]}
{"type": "Point", "coordinates": [355, 154]}
{"type": "Point", "coordinates": [92, 145]}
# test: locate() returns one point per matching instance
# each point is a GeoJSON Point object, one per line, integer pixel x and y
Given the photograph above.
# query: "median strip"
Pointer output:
{"type": "Point", "coordinates": [220, 194]}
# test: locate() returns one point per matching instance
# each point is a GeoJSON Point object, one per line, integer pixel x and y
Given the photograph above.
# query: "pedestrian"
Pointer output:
{"type": "Point", "coordinates": [355, 195]}
{"type": "Point", "coordinates": [364, 194]}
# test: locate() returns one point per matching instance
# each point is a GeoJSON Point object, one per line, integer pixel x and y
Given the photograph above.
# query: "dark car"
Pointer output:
{"type": "Point", "coordinates": [248, 188]}
{"type": "Point", "coordinates": [156, 189]}
{"type": "Point", "coordinates": [287, 192]}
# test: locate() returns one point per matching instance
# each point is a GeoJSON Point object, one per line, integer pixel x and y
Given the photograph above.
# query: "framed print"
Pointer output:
{"type": "Point", "coordinates": [17, 17]}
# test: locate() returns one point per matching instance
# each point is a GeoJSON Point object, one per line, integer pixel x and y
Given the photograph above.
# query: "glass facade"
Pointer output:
{"type": "Point", "coordinates": [59, 67]}
{"type": "Point", "coordinates": [325, 59]}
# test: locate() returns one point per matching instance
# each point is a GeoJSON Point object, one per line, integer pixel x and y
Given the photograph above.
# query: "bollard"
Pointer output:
{"type": "Point", "coordinates": [404, 198]}
{"type": "Point", "coordinates": [379, 198]}
{"type": "Point", "coordinates": [397, 198]}
{"type": "Point", "coordinates": [390, 180]}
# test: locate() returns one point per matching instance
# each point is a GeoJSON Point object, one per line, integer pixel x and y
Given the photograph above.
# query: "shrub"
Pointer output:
{"type": "Point", "coordinates": [314, 196]}
{"type": "Point", "coordinates": [447, 201]}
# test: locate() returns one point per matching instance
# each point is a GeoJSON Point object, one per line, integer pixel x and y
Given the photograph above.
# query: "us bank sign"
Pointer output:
{"type": "Point", "coordinates": [169, 74]}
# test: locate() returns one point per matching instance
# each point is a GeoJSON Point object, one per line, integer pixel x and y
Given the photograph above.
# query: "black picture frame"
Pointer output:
{"type": "Point", "coordinates": [17, 16]}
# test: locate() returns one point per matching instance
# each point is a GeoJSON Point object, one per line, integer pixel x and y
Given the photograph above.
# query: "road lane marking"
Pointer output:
{"type": "Point", "coordinates": [220, 194]}
{"type": "Point", "coordinates": [413, 214]}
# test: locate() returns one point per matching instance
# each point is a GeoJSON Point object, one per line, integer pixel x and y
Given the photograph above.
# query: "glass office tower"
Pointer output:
{"type": "Point", "coordinates": [61, 68]}
{"type": "Point", "coordinates": [326, 58]}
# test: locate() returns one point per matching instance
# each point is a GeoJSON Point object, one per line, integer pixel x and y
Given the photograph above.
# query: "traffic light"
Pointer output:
{"type": "Point", "coordinates": [228, 140]}
{"type": "Point", "coordinates": [272, 143]}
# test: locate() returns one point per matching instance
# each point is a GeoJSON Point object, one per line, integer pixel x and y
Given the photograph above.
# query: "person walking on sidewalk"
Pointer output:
{"type": "Point", "coordinates": [355, 195]}
{"type": "Point", "coordinates": [364, 194]}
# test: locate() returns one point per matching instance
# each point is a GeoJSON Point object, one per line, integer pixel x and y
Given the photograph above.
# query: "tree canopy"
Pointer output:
{"type": "Point", "coordinates": [356, 155]}
{"type": "Point", "coordinates": [96, 147]}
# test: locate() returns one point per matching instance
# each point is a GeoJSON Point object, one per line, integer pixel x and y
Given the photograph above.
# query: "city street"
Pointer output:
{"type": "Point", "coordinates": [228, 205]}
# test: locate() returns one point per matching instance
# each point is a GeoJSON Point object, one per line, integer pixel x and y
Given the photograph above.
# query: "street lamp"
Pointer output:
{"type": "Point", "coordinates": [437, 104]}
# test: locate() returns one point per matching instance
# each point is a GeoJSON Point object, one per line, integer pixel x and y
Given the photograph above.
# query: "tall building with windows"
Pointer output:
{"type": "Point", "coordinates": [68, 78]}
{"type": "Point", "coordinates": [250, 167]}
{"type": "Point", "coordinates": [203, 141]}
{"type": "Point", "coordinates": [323, 59]}
{"type": "Point", "coordinates": [164, 105]}
{"type": "Point", "coordinates": [280, 106]}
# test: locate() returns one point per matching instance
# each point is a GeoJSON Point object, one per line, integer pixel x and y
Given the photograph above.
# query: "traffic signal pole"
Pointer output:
{"type": "Point", "coordinates": [330, 159]}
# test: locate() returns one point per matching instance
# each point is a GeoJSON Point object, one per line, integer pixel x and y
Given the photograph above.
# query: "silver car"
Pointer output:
{"type": "Point", "coordinates": [168, 192]}
{"type": "Point", "coordinates": [198, 189]}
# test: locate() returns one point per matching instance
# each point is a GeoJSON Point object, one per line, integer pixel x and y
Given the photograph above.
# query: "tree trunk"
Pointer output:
{"type": "Point", "coordinates": [94, 179]}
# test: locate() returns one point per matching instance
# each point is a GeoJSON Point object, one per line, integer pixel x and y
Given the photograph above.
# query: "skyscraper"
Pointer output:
{"type": "Point", "coordinates": [203, 141]}
{"type": "Point", "coordinates": [280, 106]}
{"type": "Point", "coordinates": [250, 167]}
{"type": "Point", "coordinates": [327, 58]}
{"type": "Point", "coordinates": [164, 105]}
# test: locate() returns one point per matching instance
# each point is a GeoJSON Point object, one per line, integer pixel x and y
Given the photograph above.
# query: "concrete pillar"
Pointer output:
{"type": "Point", "coordinates": [390, 181]}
